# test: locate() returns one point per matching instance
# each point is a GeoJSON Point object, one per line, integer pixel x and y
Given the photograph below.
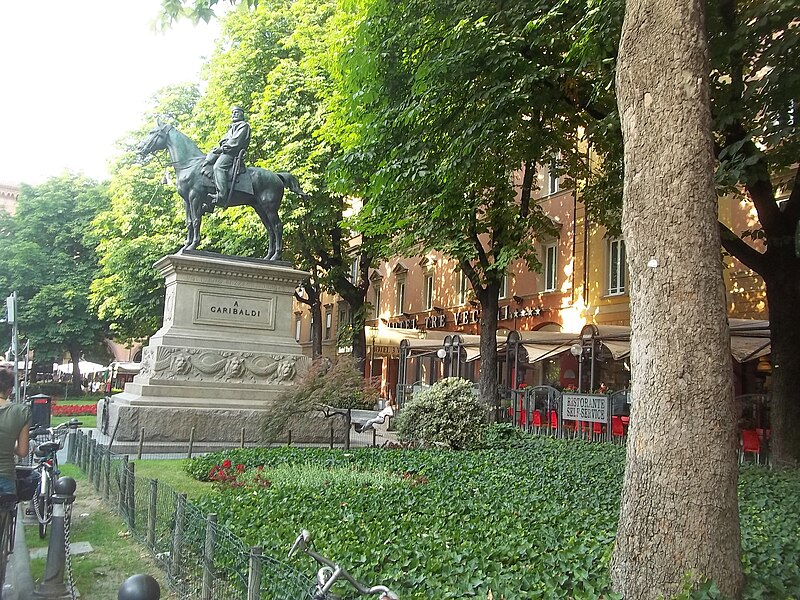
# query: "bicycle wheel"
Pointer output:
{"type": "Point", "coordinates": [43, 505]}
{"type": "Point", "coordinates": [5, 523]}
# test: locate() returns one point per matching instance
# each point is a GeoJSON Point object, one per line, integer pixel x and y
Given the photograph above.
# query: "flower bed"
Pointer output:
{"type": "Point", "coordinates": [73, 410]}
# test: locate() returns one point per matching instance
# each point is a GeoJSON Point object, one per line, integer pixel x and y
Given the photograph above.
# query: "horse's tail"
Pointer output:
{"type": "Point", "coordinates": [290, 183]}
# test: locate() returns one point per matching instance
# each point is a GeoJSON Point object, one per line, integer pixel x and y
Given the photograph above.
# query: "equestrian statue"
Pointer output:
{"type": "Point", "coordinates": [220, 179]}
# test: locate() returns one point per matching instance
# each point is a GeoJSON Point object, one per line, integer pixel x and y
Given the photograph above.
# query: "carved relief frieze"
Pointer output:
{"type": "Point", "coordinates": [203, 365]}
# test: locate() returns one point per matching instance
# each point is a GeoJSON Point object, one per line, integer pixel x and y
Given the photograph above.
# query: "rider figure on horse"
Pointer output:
{"type": "Point", "coordinates": [224, 156]}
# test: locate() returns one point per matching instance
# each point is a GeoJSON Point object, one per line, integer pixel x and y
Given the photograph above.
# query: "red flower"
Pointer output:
{"type": "Point", "coordinates": [239, 468]}
{"type": "Point", "coordinates": [226, 463]}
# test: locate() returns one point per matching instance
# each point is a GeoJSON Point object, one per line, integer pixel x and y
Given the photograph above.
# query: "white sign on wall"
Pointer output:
{"type": "Point", "coordinates": [584, 407]}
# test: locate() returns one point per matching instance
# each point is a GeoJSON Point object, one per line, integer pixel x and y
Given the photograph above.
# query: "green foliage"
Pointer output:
{"type": "Point", "coordinates": [144, 222]}
{"type": "Point", "coordinates": [339, 385]}
{"type": "Point", "coordinates": [49, 257]}
{"type": "Point", "coordinates": [447, 413]}
{"type": "Point", "coordinates": [419, 522]}
{"type": "Point", "coordinates": [504, 435]}
{"type": "Point", "coordinates": [706, 590]}
{"type": "Point", "coordinates": [770, 527]}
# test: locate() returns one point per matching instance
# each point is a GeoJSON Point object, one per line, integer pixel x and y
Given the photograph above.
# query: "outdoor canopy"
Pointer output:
{"type": "Point", "coordinates": [85, 367]}
{"type": "Point", "coordinates": [750, 339]}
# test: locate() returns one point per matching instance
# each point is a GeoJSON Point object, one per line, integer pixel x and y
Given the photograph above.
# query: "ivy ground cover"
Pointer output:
{"type": "Point", "coordinates": [534, 521]}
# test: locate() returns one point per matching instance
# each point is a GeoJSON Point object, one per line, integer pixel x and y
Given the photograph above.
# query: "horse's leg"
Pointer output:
{"type": "Point", "coordinates": [195, 200]}
{"type": "Point", "coordinates": [262, 214]}
{"type": "Point", "coordinates": [188, 210]}
{"type": "Point", "coordinates": [278, 227]}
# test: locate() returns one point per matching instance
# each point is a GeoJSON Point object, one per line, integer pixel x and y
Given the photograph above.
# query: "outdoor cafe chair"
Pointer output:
{"type": "Point", "coordinates": [750, 444]}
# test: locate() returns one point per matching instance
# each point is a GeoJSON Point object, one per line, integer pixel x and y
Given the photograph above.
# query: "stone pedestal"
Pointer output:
{"type": "Point", "coordinates": [225, 351]}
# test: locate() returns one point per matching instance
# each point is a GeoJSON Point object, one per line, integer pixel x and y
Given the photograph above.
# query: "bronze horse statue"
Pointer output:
{"type": "Point", "coordinates": [256, 187]}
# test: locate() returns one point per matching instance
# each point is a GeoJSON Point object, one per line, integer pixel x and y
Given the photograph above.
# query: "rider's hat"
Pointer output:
{"type": "Point", "coordinates": [239, 108]}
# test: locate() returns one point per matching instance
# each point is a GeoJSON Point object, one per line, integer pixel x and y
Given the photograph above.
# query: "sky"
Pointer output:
{"type": "Point", "coordinates": [78, 74]}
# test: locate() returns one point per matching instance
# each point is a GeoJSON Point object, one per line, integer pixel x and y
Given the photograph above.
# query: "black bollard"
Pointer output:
{"type": "Point", "coordinates": [52, 585]}
{"type": "Point", "coordinates": [139, 587]}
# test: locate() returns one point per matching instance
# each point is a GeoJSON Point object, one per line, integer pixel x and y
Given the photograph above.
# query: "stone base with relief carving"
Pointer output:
{"type": "Point", "coordinates": [226, 350]}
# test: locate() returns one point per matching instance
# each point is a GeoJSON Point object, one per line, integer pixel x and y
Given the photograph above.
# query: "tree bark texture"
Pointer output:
{"type": "Point", "coordinates": [679, 510]}
{"type": "Point", "coordinates": [783, 294]}
{"type": "Point", "coordinates": [487, 379]}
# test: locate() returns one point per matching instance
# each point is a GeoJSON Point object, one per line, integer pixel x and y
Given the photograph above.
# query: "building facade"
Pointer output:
{"type": "Point", "coordinates": [425, 300]}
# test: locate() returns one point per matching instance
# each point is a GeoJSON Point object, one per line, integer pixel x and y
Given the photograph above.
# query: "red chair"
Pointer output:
{"type": "Point", "coordinates": [750, 444]}
{"type": "Point", "coordinates": [617, 428]}
{"type": "Point", "coordinates": [537, 420]}
{"type": "Point", "coordinates": [553, 419]}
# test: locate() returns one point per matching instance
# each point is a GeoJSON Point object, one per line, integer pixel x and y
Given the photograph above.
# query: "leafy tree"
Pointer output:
{"type": "Point", "coordinates": [448, 101]}
{"type": "Point", "coordinates": [49, 257]}
{"type": "Point", "coordinates": [143, 222]}
{"type": "Point", "coordinates": [277, 61]}
{"type": "Point", "coordinates": [754, 94]}
{"type": "Point", "coordinates": [678, 317]}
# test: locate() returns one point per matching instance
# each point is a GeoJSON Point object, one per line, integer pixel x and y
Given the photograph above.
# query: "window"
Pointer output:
{"type": "Point", "coordinates": [400, 299]}
{"type": "Point", "coordinates": [616, 267]}
{"type": "Point", "coordinates": [328, 323]}
{"type": "Point", "coordinates": [311, 330]}
{"type": "Point", "coordinates": [550, 265]}
{"type": "Point", "coordinates": [428, 292]}
{"type": "Point", "coordinates": [504, 287]}
{"type": "Point", "coordinates": [344, 330]}
{"type": "Point", "coordinates": [354, 271]}
{"type": "Point", "coordinates": [297, 323]}
{"type": "Point", "coordinates": [376, 300]}
{"type": "Point", "coordinates": [552, 175]}
{"type": "Point", "coordinates": [462, 288]}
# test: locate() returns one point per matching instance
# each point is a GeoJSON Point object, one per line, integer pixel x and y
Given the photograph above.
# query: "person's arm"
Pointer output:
{"type": "Point", "coordinates": [23, 442]}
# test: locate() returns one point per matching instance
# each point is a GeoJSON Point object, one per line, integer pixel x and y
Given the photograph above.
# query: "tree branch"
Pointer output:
{"type": "Point", "coordinates": [746, 254]}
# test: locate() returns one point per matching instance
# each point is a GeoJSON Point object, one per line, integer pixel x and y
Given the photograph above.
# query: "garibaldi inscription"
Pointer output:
{"type": "Point", "coordinates": [235, 310]}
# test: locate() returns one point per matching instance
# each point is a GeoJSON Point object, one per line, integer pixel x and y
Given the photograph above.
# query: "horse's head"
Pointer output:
{"type": "Point", "coordinates": [156, 140]}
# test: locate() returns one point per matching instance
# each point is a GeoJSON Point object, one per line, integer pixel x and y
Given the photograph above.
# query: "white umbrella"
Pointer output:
{"type": "Point", "coordinates": [84, 366]}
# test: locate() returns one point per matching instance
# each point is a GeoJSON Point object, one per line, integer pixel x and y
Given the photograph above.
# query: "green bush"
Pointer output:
{"type": "Point", "coordinates": [446, 413]}
{"type": "Point", "coordinates": [338, 384]}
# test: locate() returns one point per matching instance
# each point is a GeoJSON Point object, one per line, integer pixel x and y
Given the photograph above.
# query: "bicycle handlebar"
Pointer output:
{"type": "Point", "coordinates": [336, 572]}
{"type": "Point", "coordinates": [40, 431]}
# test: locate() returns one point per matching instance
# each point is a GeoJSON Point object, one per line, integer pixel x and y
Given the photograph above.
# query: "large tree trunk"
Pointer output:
{"type": "Point", "coordinates": [679, 510]}
{"type": "Point", "coordinates": [75, 355]}
{"type": "Point", "coordinates": [783, 294]}
{"type": "Point", "coordinates": [487, 380]}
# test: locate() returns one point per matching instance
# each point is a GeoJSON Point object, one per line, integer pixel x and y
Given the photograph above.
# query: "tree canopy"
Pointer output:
{"type": "Point", "coordinates": [49, 258]}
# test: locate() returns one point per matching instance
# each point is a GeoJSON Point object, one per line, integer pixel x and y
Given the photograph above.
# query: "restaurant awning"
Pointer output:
{"type": "Point", "coordinates": [749, 340]}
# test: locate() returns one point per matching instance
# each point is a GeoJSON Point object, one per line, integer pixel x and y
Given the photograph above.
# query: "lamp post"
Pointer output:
{"type": "Point", "coordinates": [372, 335]}
{"type": "Point", "coordinates": [577, 351]}
{"type": "Point", "coordinates": [11, 314]}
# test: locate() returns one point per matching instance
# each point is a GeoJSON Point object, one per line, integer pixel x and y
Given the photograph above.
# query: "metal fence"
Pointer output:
{"type": "Point", "coordinates": [540, 410]}
{"type": "Point", "coordinates": [202, 559]}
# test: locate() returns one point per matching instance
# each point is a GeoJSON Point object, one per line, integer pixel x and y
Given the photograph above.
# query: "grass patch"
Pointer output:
{"type": "Point", "coordinates": [116, 555]}
{"type": "Point", "coordinates": [86, 420]}
{"type": "Point", "coordinates": [171, 472]}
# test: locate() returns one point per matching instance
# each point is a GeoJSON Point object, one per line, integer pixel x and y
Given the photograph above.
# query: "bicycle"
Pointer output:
{"type": "Point", "coordinates": [8, 521]}
{"type": "Point", "coordinates": [330, 573]}
{"type": "Point", "coordinates": [46, 463]}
